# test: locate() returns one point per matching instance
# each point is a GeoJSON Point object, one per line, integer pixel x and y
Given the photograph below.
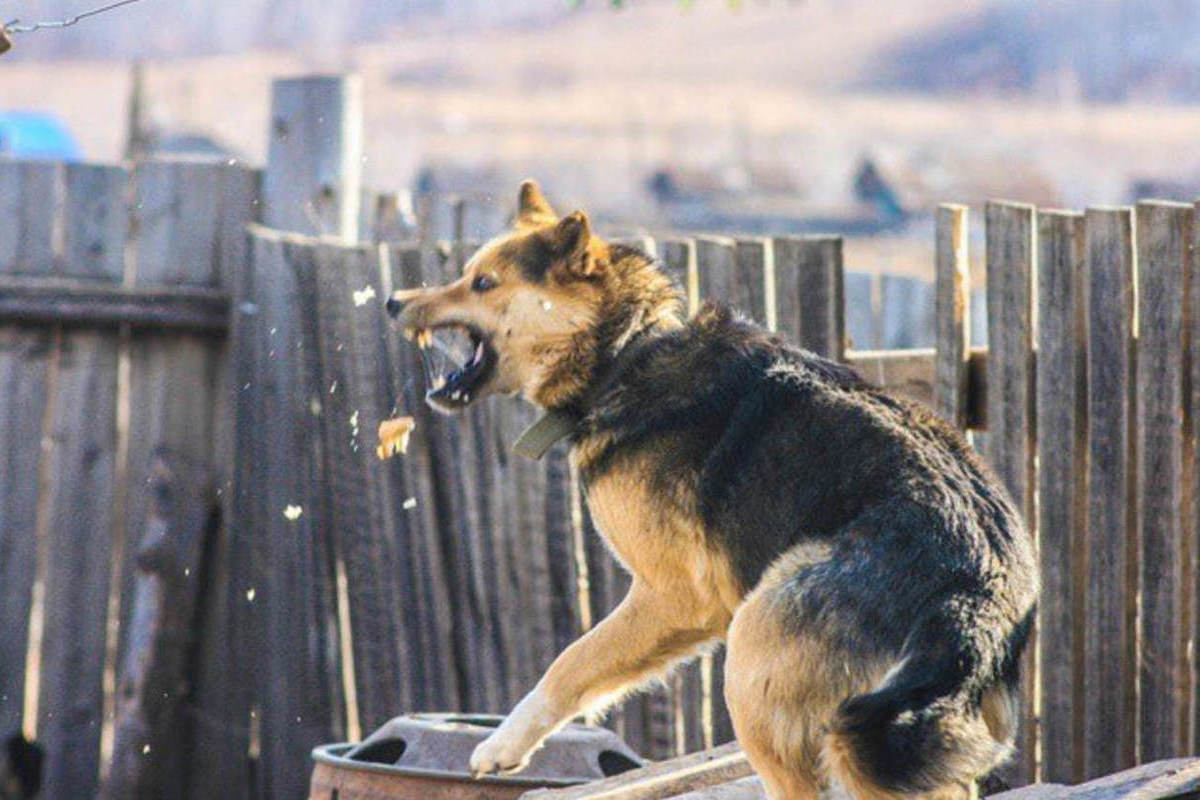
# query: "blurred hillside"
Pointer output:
{"type": "Point", "coordinates": [766, 119]}
{"type": "Point", "coordinates": [1098, 50]}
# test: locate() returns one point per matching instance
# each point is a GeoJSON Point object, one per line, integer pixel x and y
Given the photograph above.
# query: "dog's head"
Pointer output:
{"type": "Point", "coordinates": [537, 310]}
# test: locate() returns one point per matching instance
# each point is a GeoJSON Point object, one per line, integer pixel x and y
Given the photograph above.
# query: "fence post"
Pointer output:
{"type": "Point", "coordinates": [1108, 654]}
{"type": "Point", "coordinates": [1010, 278]}
{"type": "Point", "coordinates": [952, 315]}
{"type": "Point", "coordinates": [313, 180]}
{"type": "Point", "coordinates": [1164, 233]}
{"type": "Point", "coordinates": [1061, 446]}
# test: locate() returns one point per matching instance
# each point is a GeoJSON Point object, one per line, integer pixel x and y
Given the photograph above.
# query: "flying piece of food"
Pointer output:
{"type": "Point", "coordinates": [393, 436]}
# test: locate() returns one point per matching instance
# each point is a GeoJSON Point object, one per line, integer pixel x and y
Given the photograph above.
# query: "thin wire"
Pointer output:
{"type": "Point", "coordinates": [14, 27]}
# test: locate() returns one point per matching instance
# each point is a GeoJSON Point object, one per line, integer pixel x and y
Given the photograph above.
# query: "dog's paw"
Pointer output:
{"type": "Point", "coordinates": [500, 754]}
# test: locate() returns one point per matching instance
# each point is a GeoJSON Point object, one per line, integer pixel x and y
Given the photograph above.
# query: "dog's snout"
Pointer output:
{"type": "Point", "coordinates": [393, 306]}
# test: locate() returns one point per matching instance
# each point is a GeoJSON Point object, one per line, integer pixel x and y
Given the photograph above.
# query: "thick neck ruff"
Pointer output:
{"type": "Point", "coordinates": [557, 424]}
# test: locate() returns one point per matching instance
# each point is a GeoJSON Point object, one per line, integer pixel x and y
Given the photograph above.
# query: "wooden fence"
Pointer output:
{"type": "Point", "coordinates": [205, 571]}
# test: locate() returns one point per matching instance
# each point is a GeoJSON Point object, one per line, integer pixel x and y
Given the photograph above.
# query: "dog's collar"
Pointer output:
{"type": "Point", "coordinates": [548, 430]}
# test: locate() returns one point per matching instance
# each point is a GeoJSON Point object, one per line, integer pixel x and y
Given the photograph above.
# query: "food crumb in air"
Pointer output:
{"type": "Point", "coordinates": [250, 594]}
{"type": "Point", "coordinates": [410, 503]}
{"type": "Point", "coordinates": [293, 512]}
{"type": "Point", "coordinates": [393, 436]}
{"type": "Point", "coordinates": [362, 296]}
{"type": "Point", "coordinates": [547, 305]}
{"type": "Point", "coordinates": [145, 749]}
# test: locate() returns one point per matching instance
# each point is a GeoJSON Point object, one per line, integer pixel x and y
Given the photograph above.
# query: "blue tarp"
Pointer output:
{"type": "Point", "coordinates": [29, 134]}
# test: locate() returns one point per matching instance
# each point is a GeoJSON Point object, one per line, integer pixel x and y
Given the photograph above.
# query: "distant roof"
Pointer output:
{"type": "Point", "coordinates": [31, 134]}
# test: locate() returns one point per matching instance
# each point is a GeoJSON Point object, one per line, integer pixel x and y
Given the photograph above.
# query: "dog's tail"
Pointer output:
{"type": "Point", "coordinates": [944, 716]}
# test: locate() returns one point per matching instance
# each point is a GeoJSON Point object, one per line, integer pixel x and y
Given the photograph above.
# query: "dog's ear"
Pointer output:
{"type": "Point", "coordinates": [532, 206]}
{"type": "Point", "coordinates": [576, 254]}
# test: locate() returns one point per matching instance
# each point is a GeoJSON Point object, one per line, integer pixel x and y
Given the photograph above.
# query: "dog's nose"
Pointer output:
{"type": "Point", "coordinates": [393, 306]}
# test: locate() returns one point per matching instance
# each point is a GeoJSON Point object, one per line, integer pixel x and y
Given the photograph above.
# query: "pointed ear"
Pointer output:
{"type": "Point", "coordinates": [574, 248]}
{"type": "Point", "coordinates": [532, 206]}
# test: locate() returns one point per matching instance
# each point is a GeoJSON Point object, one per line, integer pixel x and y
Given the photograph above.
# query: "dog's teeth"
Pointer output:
{"type": "Point", "coordinates": [409, 334]}
{"type": "Point", "coordinates": [478, 352]}
{"type": "Point", "coordinates": [438, 382]}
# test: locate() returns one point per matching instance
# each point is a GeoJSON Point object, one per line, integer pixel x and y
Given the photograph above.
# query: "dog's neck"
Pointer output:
{"type": "Point", "coordinates": [638, 301]}
{"type": "Point", "coordinates": [641, 302]}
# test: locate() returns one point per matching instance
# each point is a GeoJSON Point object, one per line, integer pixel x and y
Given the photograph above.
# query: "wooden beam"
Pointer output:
{"type": "Point", "coordinates": [83, 303]}
{"type": "Point", "coordinates": [664, 779]}
{"type": "Point", "coordinates": [912, 374]}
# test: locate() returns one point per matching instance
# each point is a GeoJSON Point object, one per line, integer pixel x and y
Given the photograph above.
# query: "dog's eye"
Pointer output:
{"type": "Point", "coordinates": [483, 282]}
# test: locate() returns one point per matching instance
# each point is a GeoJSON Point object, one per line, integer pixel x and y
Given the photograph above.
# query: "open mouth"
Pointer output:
{"type": "Point", "coordinates": [458, 361]}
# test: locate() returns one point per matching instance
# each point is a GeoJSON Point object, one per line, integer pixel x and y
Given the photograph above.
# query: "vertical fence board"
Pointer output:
{"type": "Point", "coordinates": [753, 261]}
{"type": "Point", "coordinates": [716, 265]}
{"type": "Point", "coordinates": [32, 196]}
{"type": "Point", "coordinates": [952, 315]}
{"type": "Point", "coordinates": [1010, 407]}
{"type": "Point", "coordinates": [1108, 647]}
{"type": "Point", "coordinates": [365, 513]}
{"type": "Point", "coordinates": [1061, 446]}
{"type": "Point", "coordinates": [1191, 464]}
{"type": "Point", "coordinates": [177, 240]}
{"type": "Point", "coordinates": [218, 705]}
{"type": "Point", "coordinates": [810, 292]}
{"type": "Point", "coordinates": [1164, 236]}
{"type": "Point", "coordinates": [97, 222]}
{"type": "Point", "coordinates": [298, 689]}
{"type": "Point", "coordinates": [31, 204]}
{"type": "Point", "coordinates": [77, 551]}
{"type": "Point", "coordinates": [25, 377]}
{"type": "Point", "coordinates": [314, 162]}
{"type": "Point", "coordinates": [428, 600]}
{"type": "Point", "coordinates": [75, 555]}
{"type": "Point", "coordinates": [862, 316]}
{"type": "Point", "coordinates": [679, 261]}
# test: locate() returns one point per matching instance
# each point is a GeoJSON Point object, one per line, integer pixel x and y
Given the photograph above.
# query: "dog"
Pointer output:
{"type": "Point", "coordinates": [873, 582]}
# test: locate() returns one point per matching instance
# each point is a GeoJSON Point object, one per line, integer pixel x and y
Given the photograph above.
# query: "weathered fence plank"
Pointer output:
{"type": "Point", "coordinates": [32, 204]}
{"type": "Point", "coordinates": [1010, 403]}
{"type": "Point", "coordinates": [1191, 463]}
{"type": "Point", "coordinates": [218, 705]}
{"type": "Point", "coordinates": [952, 315]}
{"type": "Point", "coordinates": [26, 378]}
{"type": "Point", "coordinates": [716, 265]}
{"type": "Point", "coordinates": [79, 508]}
{"type": "Point", "coordinates": [428, 599]}
{"type": "Point", "coordinates": [78, 502]}
{"type": "Point", "coordinates": [1164, 238]}
{"type": "Point", "coordinates": [1108, 643]}
{"type": "Point", "coordinates": [1061, 447]}
{"type": "Point", "coordinates": [364, 511]}
{"type": "Point", "coordinates": [32, 198]}
{"type": "Point", "coordinates": [149, 738]}
{"type": "Point", "coordinates": [298, 701]}
{"type": "Point", "coordinates": [1191, 418]}
{"type": "Point", "coordinates": [97, 222]}
{"type": "Point", "coordinates": [810, 292]}
{"type": "Point", "coordinates": [313, 182]}
{"type": "Point", "coordinates": [679, 260]}
{"type": "Point", "coordinates": [753, 274]}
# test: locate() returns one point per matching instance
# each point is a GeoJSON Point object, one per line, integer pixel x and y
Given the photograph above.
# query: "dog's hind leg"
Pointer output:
{"type": "Point", "coordinates": [779, 693]}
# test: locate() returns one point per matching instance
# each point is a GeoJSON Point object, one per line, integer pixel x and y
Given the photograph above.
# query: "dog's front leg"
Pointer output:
{"type": "Point", "coordinates": [638, 641]}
